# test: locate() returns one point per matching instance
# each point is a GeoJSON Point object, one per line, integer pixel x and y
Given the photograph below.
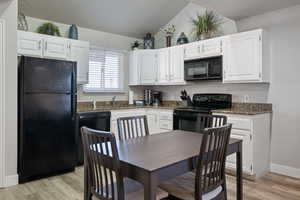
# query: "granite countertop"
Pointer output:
{"type": "Point", "coordinates": [247, 109]}
{"type": "Point", "coordinates": [237, 108]}
{"type": "Point", "coordinates": [122, 105]}
{"type": "Point", "coordinates": [108, 108]}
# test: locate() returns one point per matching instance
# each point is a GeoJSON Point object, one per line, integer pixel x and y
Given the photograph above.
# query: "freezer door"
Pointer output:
{"type": "Point", "coordinates": [45, 75]}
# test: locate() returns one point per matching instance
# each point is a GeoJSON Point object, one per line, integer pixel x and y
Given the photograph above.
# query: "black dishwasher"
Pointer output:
{"type": "Point", "coordinates": [94, 120]}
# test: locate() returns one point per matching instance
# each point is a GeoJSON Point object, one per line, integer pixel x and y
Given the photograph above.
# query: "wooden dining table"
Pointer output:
{"type": "Point", "coordinates": [153, 159]}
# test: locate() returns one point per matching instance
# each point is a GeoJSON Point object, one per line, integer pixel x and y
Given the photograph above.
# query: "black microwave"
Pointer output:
{"type": "Point", "coordinates": [204, 69]}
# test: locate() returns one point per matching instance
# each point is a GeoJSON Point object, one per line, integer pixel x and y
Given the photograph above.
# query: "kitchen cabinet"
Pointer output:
{"type": "Point", "coordinates": [163, 66]}
{"type": "Point", "coordinates": [79, 53]}
{"type": "Point", "coordinates": [176, 66]}
{"type": "Point", "coordinates": [246, 58]}
{"type": "Point", "coordinates": [159, 120]}
{"type": "Point", "coordinates": [192, 50]}
{"type": "Point", "coordinates": [44, 46]}
{"type": "Point", "coordinates": [134, 70]}
{"type": "Point", "coordinates": [30, 44]}
{"type": "Point", "coordinates": [55, 47]}
{"type": "Point", "coordinates": [147, 61]}
{"type": "Point", "coordinates": [212, 47]}
{"type": "Point", "coordinates": [255, 132]}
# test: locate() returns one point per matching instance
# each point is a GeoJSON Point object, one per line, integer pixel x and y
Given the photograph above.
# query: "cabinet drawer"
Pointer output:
{"type": "Point", "coordinates": [239, 123]}
{"type": "Point", "coordinates": [166, 116]}
{"type": "Point", "coordinates": [166, 125]}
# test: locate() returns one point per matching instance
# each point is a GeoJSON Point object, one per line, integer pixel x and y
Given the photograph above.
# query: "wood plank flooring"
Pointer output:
{"type": "Point", "coordinates": [70, 187]}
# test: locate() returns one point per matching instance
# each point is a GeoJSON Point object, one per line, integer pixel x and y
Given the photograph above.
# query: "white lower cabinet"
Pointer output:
{"type": "Point", "coordinates": [159, 120]}
{"type": "Point", "coordinates": [255, 131]}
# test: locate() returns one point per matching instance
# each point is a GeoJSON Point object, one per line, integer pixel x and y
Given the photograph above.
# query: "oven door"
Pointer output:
{"type": "Point", "coordinates": [187, 120]}
{"type": "Point", "coordinates": [195, 70]}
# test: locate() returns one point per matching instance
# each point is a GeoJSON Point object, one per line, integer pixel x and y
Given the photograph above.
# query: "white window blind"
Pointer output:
{"type": "Point", "coordinates": [105, 71]}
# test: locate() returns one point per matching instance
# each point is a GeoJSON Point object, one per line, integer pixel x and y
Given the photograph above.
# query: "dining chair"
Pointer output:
{"type": "Point", "coordinates": [208, 182]}
{"type": "Point", "coordinates": [105, 179]}
{"type": "Point", "coordinates": [210, 121]}
{"type": "Point", "coordinates": [132, 127]}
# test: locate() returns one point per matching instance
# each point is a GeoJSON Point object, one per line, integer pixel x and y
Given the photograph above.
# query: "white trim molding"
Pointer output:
{"type": "Point", "coordinates": [2, 104]}
{"type": "Point", "coordinates": [285, 170]}
{"type": "Point", "coordinates": [11, 180]}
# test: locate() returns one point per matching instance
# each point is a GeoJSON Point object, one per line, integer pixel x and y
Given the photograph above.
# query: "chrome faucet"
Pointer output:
{"type": "Point", "coordinates": [113, 100]}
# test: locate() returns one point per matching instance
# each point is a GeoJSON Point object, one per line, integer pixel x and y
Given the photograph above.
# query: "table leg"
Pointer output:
{"type": "Point", "coordinates": [239, 172]}
{"type": "Point", "coordinates": [150, 187]}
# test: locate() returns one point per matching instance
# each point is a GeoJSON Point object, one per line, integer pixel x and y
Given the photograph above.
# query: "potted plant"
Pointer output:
{"type": "Point", "coordinates": [169, 32]}
{"type": "Point", "coordinates": [207, 25]}
{"type": "Point", "coordinates": [49, 29]}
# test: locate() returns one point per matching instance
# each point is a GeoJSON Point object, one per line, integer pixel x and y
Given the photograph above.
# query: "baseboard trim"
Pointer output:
{"type": "Point", "coordinates": [285, 170]}
{"type": "Point", "coordinates": [11, 180]}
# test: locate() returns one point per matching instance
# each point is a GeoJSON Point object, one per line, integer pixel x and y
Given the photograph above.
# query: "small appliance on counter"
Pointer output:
{"type": "Point", "coordinates": [148, 97]}
{"type": "Point", "coordinates": [152, 98]}
{"type": "Point", "coordinates": [139, 103]}
{"type": "Point", "coordinates": [157, 98]}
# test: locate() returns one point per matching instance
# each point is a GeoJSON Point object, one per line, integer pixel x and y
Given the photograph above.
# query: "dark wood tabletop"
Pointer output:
{"type": "Point", "coordinates": [161, 150]}
{"type": "Point", "coordinates": [154, 159]}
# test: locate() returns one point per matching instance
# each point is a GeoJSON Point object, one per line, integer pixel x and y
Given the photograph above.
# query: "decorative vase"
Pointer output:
{"type": "Point", "coordinates": [168, 40]}
{"type": "Point", "coordinates": [22, 22]}
{"type": "Point", "coordinates": [148, 41]}
{"type": "Point", "coordinates": [182, 39]}
{"type": "Point", "coordinates": [73, 32]}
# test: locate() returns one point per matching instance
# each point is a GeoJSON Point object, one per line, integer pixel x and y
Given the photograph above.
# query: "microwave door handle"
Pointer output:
{"type": "Point", "coordinates": [207, 68]}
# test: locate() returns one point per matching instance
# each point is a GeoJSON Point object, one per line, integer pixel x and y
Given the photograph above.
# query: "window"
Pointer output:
{"type": "Point", "coordinates": [105, 71]}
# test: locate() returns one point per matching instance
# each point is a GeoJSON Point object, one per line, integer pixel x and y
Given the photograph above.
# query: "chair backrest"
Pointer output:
{"type": "Point", "coordinates": [102, 161]}
{"type": "Point", "coordinates": [210, 121]}
{"type": "Point", "coordinates": [210, 172]}
{"type": "Point", "coordinates": [132, 127]}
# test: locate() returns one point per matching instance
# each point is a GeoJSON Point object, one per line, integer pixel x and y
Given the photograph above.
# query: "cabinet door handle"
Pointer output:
{"type": "Point", "coordinates": [46, 46]}
{"type": "Point", "coordinates": [40, 44]}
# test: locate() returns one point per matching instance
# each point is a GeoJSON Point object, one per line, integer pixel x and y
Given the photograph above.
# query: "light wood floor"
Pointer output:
{"type": "Point", "coordinates": [70, 187]}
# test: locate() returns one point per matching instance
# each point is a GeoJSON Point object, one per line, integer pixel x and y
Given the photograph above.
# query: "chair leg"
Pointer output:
{"type": "Point", "coordinates": [225, 188]}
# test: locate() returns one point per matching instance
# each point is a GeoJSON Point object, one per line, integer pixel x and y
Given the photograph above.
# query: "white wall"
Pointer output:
{"type": "Point", "coordinates": [98, 38]}
{"type": "Point", "coordinates": [182, 22]}
{"type": "Point", "coordinates": [283, 28]}
{"type": "Point", "coordinates": [10, 16]}
{"type": "Point", "coordinates": [252, 93]}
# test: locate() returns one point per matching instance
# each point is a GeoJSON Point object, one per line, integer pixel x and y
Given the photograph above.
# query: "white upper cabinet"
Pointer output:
{"type": "Point", "coordinates": [147, 60]}
{"type": "Point", "coordinates": [79, 52]}
{"type": "Point", "coordinates": [192, 50]}
{"type": "Point", "coordinates": [176, 65]}
{"type": "Point", "coordinates": [134, 70]}
{"type": "Point", "coordinates": [55, 47]}
{"type": "Point", "coordinates": [163, 66]}
{"type": "Point", "coordinates": [44, 46]}
{"type": "Point", "coordinates": [243, 58]}
{"type": "Point", "coordinates": [30, 44]}
{"type": "Point", "coordinates": [211, 47]}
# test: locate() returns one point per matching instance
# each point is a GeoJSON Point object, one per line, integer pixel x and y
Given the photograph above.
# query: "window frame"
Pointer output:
{"type": "Point", "coordinates": [122, 77]}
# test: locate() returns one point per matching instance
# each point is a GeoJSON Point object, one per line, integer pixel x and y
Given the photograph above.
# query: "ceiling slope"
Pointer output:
{"type": "Point", "coordinates": [239, 9]}
{"type": "Point", "coordinates": [131, 18]}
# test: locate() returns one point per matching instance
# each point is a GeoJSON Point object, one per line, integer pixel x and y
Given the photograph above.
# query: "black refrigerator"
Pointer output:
{"type": "Point", "coordinates": [47, 114]}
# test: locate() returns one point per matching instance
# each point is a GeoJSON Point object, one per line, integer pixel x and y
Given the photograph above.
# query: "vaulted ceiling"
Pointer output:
{"type": "Point", "coordinates": [136, 17]}
{"type": "Point", "coordinates": [239, 9]}
{"type": "Point", "coordinates": [126, 17]}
